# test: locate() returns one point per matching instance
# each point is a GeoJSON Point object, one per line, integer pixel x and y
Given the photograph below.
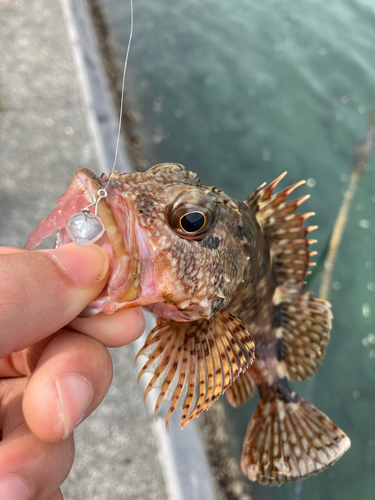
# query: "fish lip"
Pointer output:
{"type": "Point", "coordinates": [132, 282]}
{"type": "Point", "coordinates": [119, 221]}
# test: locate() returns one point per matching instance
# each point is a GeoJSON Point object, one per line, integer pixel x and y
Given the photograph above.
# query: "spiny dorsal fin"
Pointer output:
{"type": "Point", "coordinates": [290, 440]}
{"type": "Point", "coordinates": [260, 196]}
{"type": "Point", "coordinates": [304, 332]}
{"type": "Point", "coordinates": [241, 390]}
{"type": "Point", "coordinates": [283, 228]}
{"type": "Point", "coordinates": [194, 363]}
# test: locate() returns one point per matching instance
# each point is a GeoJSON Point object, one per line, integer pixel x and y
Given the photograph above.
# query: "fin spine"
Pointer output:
{"type": "Point", "coordinates": [194, 363]}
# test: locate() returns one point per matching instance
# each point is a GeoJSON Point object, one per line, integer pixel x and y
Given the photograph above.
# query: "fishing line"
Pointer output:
{"type": "Point", "coordinates": [80, 229]}
{"type": "Point", "coordinates": [103, 192]}
{"type": "Point", "coordinates": [123, 90]}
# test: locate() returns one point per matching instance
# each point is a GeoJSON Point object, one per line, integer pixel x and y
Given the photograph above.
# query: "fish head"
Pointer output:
{"type": "Point", "coordinates": [177, 247]}
{"type": "Point", "coordinates": [174, 242]}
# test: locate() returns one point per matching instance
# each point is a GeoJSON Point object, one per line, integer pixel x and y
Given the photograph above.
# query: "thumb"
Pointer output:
{"type": "Point", "coordinates": [41, 291]}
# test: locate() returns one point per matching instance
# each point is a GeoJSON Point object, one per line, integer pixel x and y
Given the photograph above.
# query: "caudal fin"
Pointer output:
{"type": "Point", "coordinates": [287, 441]}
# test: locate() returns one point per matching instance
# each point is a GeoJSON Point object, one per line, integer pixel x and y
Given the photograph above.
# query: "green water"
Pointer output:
{"type": "Point", "coordinates": [240, 91]}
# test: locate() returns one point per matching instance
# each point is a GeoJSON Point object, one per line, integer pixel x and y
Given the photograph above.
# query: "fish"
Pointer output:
{"type": "Point", "coordinates": [225, 280]}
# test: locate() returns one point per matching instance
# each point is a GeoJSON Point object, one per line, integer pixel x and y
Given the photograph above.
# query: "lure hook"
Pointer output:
{"type": "Point", "coordinates": [102, 193]}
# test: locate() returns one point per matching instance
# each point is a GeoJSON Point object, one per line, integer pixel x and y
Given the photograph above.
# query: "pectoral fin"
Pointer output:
{"type": "Point", "coordinates": [194, 363]}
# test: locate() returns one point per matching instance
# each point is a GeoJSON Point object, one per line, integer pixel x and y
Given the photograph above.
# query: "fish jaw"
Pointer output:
{"type": "Point", "coordinates": [124, 284]}
{"type": "Point", "coordinates": [132, 282]}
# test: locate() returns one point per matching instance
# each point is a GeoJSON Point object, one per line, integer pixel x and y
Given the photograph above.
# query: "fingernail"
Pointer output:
{"type": "Point", "coordinates": [142, 322]}
{"type": "Point", "coordinates": [85, 265]}
{"type": "Point", "coordinates": [75, 395]}
{"type": "Point", "coordinates": [13, 488]}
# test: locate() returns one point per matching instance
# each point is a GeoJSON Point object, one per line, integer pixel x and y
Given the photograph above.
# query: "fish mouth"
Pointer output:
{"type": "Point", "coordinates": [131, 282]}
{"type": "Point", "coordinates": [119, 221]}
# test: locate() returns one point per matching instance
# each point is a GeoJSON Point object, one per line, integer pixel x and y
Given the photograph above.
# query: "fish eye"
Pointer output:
{"type": "Point", "coordinates": [193, 222]}
{"type": "Point", "coordinates": [191, 215]}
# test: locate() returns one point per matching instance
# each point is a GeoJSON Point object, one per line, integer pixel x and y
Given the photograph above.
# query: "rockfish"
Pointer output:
{"type": "Point", "coordinates": [220, 275]}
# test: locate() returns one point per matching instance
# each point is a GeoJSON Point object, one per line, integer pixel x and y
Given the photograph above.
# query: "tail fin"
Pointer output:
{"type": "Point", "coordinates": [289, 439]}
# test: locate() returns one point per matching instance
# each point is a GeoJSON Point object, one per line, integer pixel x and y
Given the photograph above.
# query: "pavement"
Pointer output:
{"type": "Point", "coordinates": [56, 115]}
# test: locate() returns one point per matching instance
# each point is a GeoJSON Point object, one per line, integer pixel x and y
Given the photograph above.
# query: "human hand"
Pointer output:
{"type": "Point", "coordinates": [54, 367]}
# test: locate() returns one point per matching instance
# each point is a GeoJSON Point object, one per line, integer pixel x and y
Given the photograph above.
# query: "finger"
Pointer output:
{"type": "Point", "coordinates": [42, 291]}
{"type": "Point", "coordinates": [112, 330]}
{"type": "Point", "coordinates": [4, 250]}
{"type": "Point", "coordinates": [71, 379]}
{"type": "Point", "coordinates": [23, 363]}
{"type": "Point", "coordinates": [30, 469]}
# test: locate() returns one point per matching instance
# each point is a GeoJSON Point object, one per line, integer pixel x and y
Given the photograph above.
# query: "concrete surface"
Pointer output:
{"type": "Point", "coordinates": [56, 116]}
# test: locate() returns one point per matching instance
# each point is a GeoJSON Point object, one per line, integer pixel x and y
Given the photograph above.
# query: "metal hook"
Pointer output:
{"type": "Point", "coordinates": [102, 193]}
